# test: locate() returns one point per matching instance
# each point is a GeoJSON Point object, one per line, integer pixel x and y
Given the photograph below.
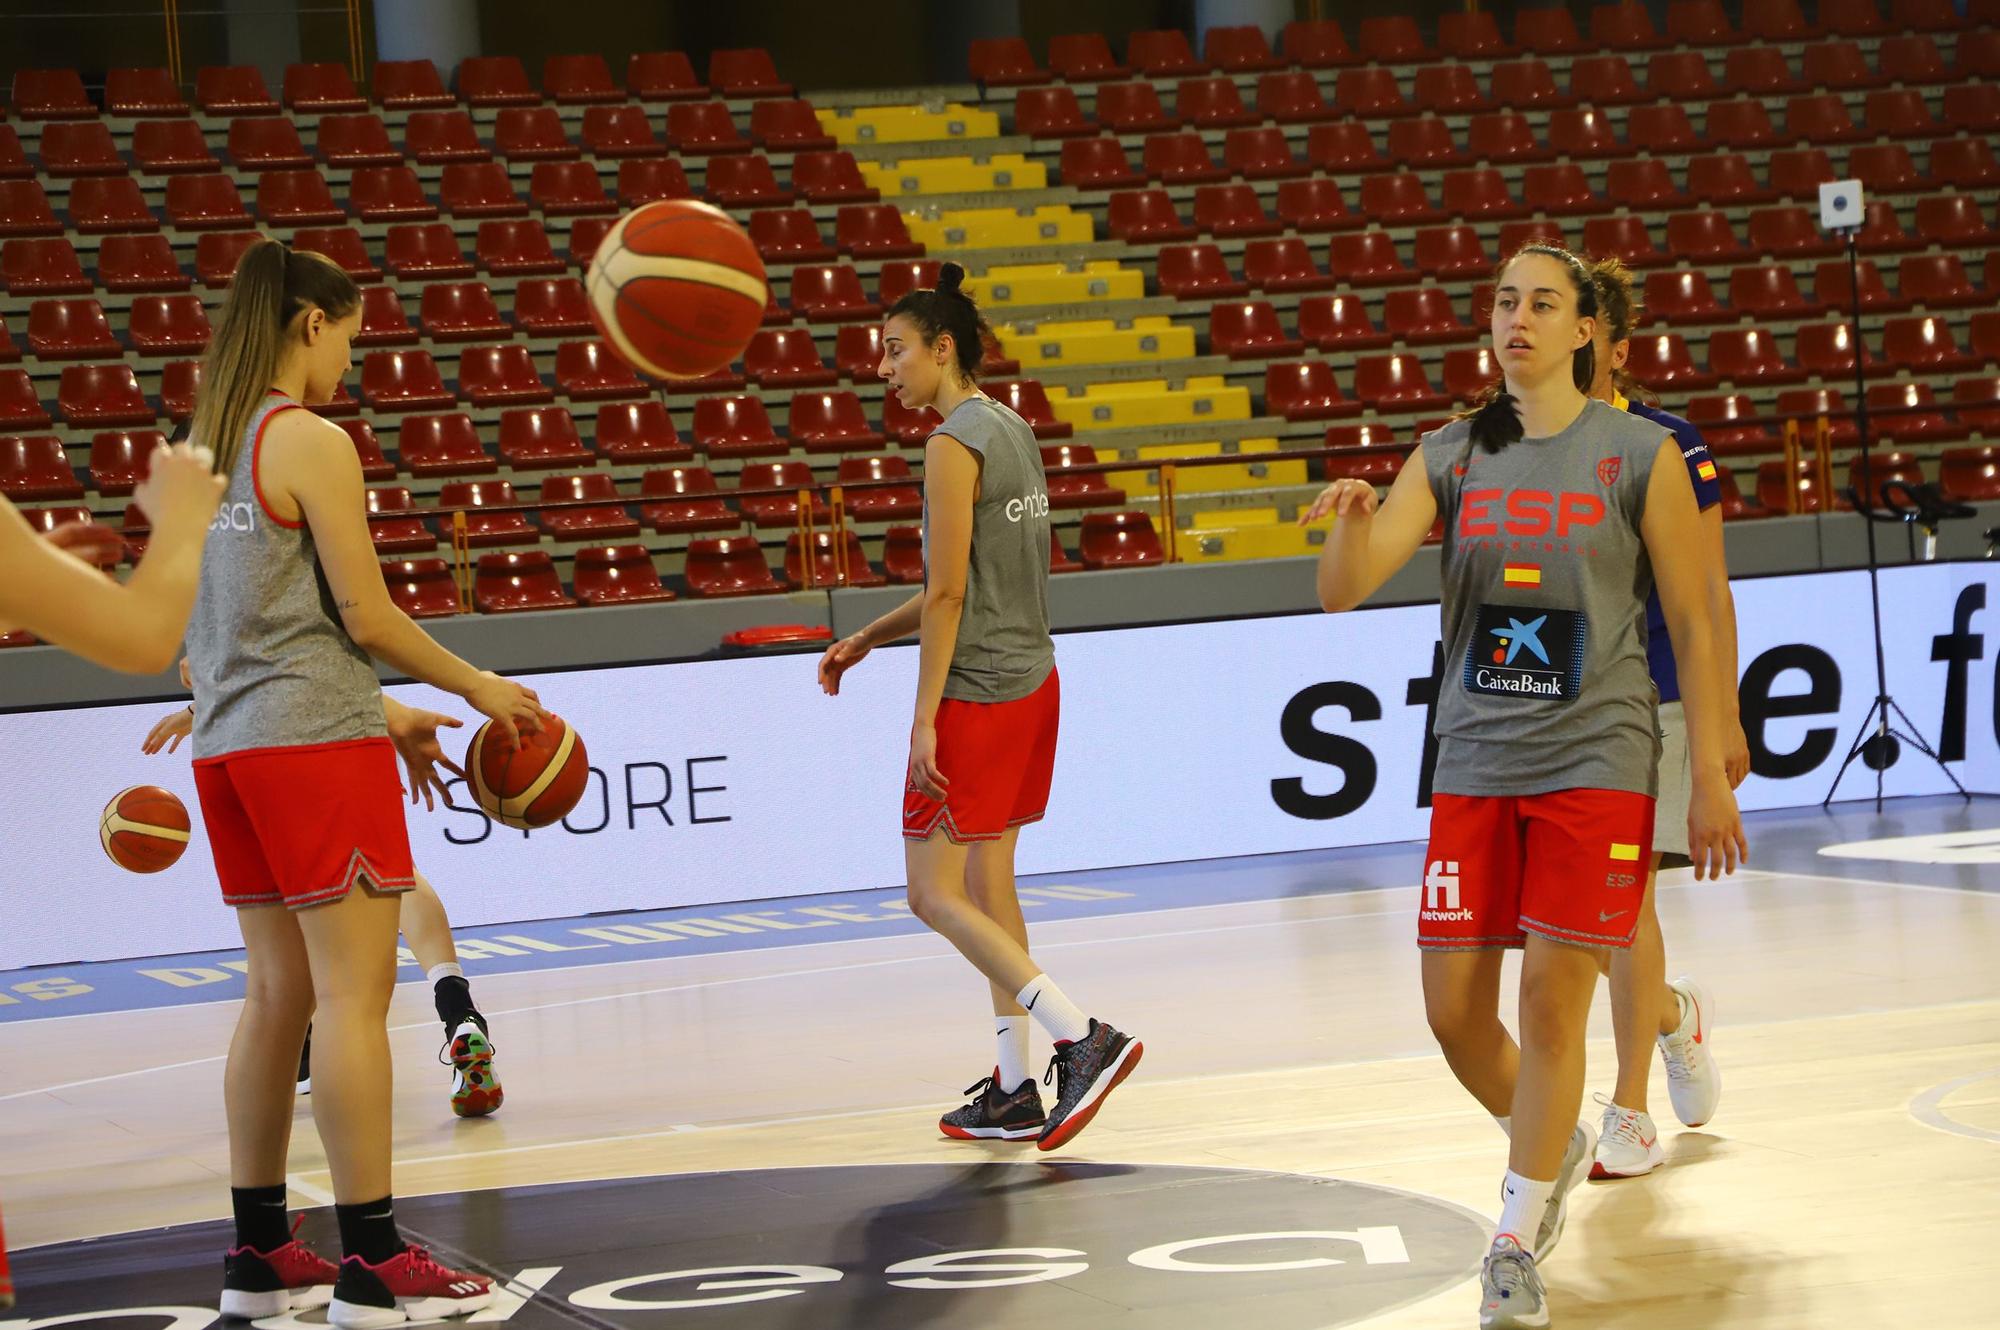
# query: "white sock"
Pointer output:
{"type": "Point", "coordinates": [1011, 1033]}
{"type": "Point", "coordinates": [447, 970]}
{"type": "Point", "coordinates": [1506, 1125]}
{"type": "Point", "coordinates": [1063, 1019]}
{"type": "Point", "coordinates": [1524, 1202]}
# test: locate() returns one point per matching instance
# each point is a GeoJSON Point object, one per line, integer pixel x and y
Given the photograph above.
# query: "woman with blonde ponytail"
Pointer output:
{"type": "Point", "coordinates": [300, 796]}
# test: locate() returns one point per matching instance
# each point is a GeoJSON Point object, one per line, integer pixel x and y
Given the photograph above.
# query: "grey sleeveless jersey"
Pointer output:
{"type": "Point", "coordinates": [1545, 681]}
{"type": "Point", "coordinates": [1004, 650]}
{"type": "Point", "coordinates": [273, 667]}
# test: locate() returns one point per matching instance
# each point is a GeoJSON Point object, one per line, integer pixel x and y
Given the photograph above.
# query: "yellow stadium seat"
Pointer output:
{"type": "Point", "coordinates": [1096, 342]}
{"type": "Point", "coordinates": [908, 124]}
{"type": "Point", "coordinates": [1212, 479]}
{"type": "Point", "coordinates": [1222, 519]}
{"type": "Point", "coordinates": [1278, 540]}
{"type": "Point", "coordinates": [1056, 284]}
{"type": "Point", "coordinates": [956, 175]}
{"type": "Point", "coordinates": [1001, 228]}
{"type": "Point", "coordinates": [1151, 402]}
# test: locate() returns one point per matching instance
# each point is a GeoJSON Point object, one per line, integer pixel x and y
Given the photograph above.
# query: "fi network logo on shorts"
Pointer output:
{"type": "Point", "coordinates": [1441, 893]}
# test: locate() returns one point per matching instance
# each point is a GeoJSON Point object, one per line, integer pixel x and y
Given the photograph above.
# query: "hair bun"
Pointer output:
{"type": "Point", "coordinates": [950, 277]}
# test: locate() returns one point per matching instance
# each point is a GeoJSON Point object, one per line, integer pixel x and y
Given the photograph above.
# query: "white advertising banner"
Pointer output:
{"type": "Point", "coordinates": [739, 780]}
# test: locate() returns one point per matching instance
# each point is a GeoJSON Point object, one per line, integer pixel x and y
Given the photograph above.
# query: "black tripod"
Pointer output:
{"type": "Point", "coordinates": [1879, 743]}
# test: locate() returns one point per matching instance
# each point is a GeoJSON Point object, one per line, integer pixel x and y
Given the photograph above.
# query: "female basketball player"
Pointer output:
{"type": "Point", "coordinates": [1554, 505]}
{"type": "Point", "coordinates": [476, 1091]}
{"type": "Point", "coordinates": [983, 741]}
{"type": "Point", "coordinates": [299, 795]}
{"type": "Point", "coordinates": [1646, 1009]}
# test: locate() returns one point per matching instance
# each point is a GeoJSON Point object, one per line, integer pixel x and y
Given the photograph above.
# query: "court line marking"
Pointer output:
{"type": "Point", "coordinates": [1973, 893]}
{"type": "Point", "coordinates": [1928, 1108]}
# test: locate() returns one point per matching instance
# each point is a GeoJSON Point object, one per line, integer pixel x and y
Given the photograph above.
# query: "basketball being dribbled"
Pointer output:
{"type": "Point", "coordinates": [677, 288]}
{"type": "Point", "coordinates": [530, 786]}
{"type": "Point", "coordinates": [144, 829]}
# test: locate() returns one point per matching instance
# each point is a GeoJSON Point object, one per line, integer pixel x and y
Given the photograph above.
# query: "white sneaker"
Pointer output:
{"type": "Point", "coordinates": [1694, 1082]}
{"type": "Point", "coordinates": [1628, 1144]}
{"type": "Point", "coordinates": [1575, 1164]}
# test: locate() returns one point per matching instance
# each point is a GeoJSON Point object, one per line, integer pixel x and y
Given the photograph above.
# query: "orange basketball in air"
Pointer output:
{"type": "Point", "coordinates": [677, 288]}
{"type": "Point", "coordinates": [530, 786]}
{"type": "Point", "coordinates": [144, 829]}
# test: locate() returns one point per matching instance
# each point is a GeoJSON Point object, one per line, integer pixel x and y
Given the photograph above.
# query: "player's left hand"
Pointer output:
{"type": "Point", "coordinates": [96, 544]}
{"type": "Point", "coordinates": [924, 773]}
{"type": "Point", "coordinates": [1735, 754]}
{"type": "Point", "coordinates": [168, 731]}
{"type": "Point", "coordinates": [1715, 830]}
{"type": "Point", "coordinates": [415, 734]}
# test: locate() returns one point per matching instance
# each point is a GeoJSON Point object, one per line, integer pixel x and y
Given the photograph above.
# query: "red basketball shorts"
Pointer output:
{"type": "Point", "coordinates": [1569, 865]}
{"type": "Point", "coordinates": [303, 825]}
{"type": "Point", "coordinates": [999, 758]}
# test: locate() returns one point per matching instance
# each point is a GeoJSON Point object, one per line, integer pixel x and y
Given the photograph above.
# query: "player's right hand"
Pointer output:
{"type": "Point", "coordinates": [168, 731]}
{"type": "Point", "coordinates": [510, 706]}
{"type": "Point", "coordinates": [1343, 498]}
{"type": "Point", "coordinates": [182, 489]}
{"type": "Point", "coordinates": [839, 658]}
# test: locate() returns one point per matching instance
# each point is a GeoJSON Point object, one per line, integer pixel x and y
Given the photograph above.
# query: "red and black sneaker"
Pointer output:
{"type": "Point", "coordinates": [1086, 1071]}
{"type": "Point", "coordinates": [293, 1277]}
{"type": "Point", "coordinates": [995, 1115]}
{"type": "Point", "coordinates": [409, 1286]}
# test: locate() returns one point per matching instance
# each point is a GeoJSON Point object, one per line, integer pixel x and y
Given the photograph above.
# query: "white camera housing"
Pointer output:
{"type": "Point", "coordinates": [1841, 207]}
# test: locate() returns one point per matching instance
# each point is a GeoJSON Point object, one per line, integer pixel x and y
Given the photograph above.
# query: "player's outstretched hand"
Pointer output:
{"type": "Point", "coordinates": [168, 731]}
{"type": "Point", "coordinates": [1343, 498]}
{"type": "Point", "coordinates": [181, 490]}
{"type": "Point", "coordinates": [415, 734]}
{"type": "Point", "coordinates": [93, 542]}
{"type": "Point", "coordinates": [1715, 831]}
{"type": "Point", "coordinates": [515, 709]}
{"type": "Point", "coordinates": [839, 658]}
{"type": "Point", "coordinates": [924, 773]}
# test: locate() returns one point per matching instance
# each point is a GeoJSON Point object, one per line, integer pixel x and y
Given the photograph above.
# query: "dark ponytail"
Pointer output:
{"type": "Point", "coordinates": [947, 308]}
{"type": "Point", "coordinates": [1496, 422]}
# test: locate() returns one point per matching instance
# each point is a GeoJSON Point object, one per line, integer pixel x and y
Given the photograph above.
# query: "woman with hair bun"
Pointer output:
{"type": "Point", "coordinates": [983, 741]}
{"type": "Point", "coordinates": [1560, 512]}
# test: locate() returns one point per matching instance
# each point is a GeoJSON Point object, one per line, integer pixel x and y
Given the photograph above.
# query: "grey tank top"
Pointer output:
{"type": "Point", "coordinates": [273, 667]}
{"type": "Point", "coordinates": [1004, 649]}
{"type": "Point", "coordinates": [1546, 576]}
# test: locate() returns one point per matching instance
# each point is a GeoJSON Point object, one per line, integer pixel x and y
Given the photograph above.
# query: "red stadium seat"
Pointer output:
{"type": "Point", "coordinates": [837, 560]}
{"type": "Point", "coordinates": [20, 407]}
{"type": "Point", "coordinates": [1472, 35]}
{"type": "Point", "coordinates": [1240, 50]}
{"type": "Point", "coordinates": [579, 80]}
{"type": "Point", "coordinates": [663, 76]}
{"type": "Point", "coordinates": [874, 230]}
{"type": "Point", "coordinates": [1724, 179]}
{"type": "Point", "coordinates": [630, 433]}
{"type": "Point", "coordinates": [1700, 23]}
{"type": "Point", "coordinates": [476, 499]}
{"type": "Point", "coordinates": [1398, 198]}
{"type": "Point", "coordinates": [168, 325]}
{"type": "Point", "coordinates": [585, 235]}
{"type": "Point", "coordinates": [786, 358]}
{"type": "Point", "coordinates": [296, 198]}
{"type": "Point", "coordinates": [1504, 136]}
{"type": "Point", "coordinates": [1261, 154]}
{"type": "Point", "coordinates": [906, 426]}
{"type": "Point", "coordinates": [831, 294]}
{"type": "Point", "coordinates": [508, 581]}
{"type": "Point", "coordinates": [1768, 291]}
{"type": "Point", "coordinates": [1289, 97]}
{"type": "Point", "coordinates": [1789, 232]}
{"type": "Point", "coordinates": [70, 330]}
{"type": "Point", "coordinates": [1344, 147]}
{"type": "Point", "coordinates": [1977, 400]}
{"type": "Point", "coordinates": [43, 266]}
{"type": "Point", "coordinates": [130, 93]}
{"type": "Point", "coordinates": [1305, 390]}
{"type": "Point", "coordinates": [14, 163]}
{"type": "Point", "coordinates": [857, 351]}
{"type": "Point", "coordinates": [1449, 89]}
{"type": "Point", "coordinates": [1369, 92]}
{"type": "Point", "coordinates": [678, 503]}
{"type": "Point", "coordinates": [408, 85]}
{"type": "Point", "coordinates": [1745, 357]}
{"type": "Point", "coordinates": [81, 149]}
{"type": "Point", "coordinates": [51, 94]}
{"type": "Point", "coordinates": [320, 89]}
{"type": "Point", "coordinates": [1682, 297]}
{"type": "Point", "coordinates": [436, 138]}
{"type": "Point", "coordinates": [1704, 237]}
{"type": "Point", "coordinates": [589, 372]}
{"type": "Point", "coordinates": [1818, 118]}
{"type": "Point", "coordinates": [1469, 372]}
{"type": "Point", "coordinates": [1475, 194]}
{"type": "Point", "coordinates": [425, 251]}
{"type": "Point", "coordinates": [1423, 315]}
{"type": "Point", "coordinates": [1282, 265]}
{"type": "Point", "coordinates": [1197, 272]}
{"type": "Point", "coordinates": [1798, 173]}
{"type": "Point", "coordinates": [884, 503]}
{"type": "Point", "coordinates": [834, 177]}
{"type": "Point", "coordinates": [1827, 351]}
{"type": "Point", "coordinates": [1212, 103]}
{"type": "Point", "coordinates": [1907, 413]}
{"type": "Point", "coordinates": [1180, 159]}
{"type": "Point", "coordinates": [495, 80]}
{"type": "Point", "coordinates": [1583, 134]}
{"type": "Point", "coordinates": [389, 194]}
{"type": "Point", "coordinates": [1852, 18]}
{"type": "Point", "coordinates": [100, 205]}
{"type": "Point", "coordinates": [612, 133]}
{"type": "Point", "coordinates": [233, 90]}
{"type": "Point", "coordinates": [903, 554]}
{"type": "Point", "coordinates": [701, 129]}
{"type": "Point", "coordinates": [1838, 66]}
{"type": "Point", "coordinates": [1392, 40]}
{"type": "Point", "coordinates": [1742, 123]}
{"type": "Point", "coordinates": [403, 381]}
{"type": "Point", "coordinates": [1833, 287]}
{"type": "Point", "coordinates": [1027, 399]}
{"type": "Point", "coordinates": [1643, 182]}
{"type": "Point", "coordinates": [745, 181]}
{"type": "Point", "coordinates": [383, 320]}
{"type": "Point", "coordinates": [1624, 27]}
{"type": "Point", "coordinates": [1451, 253]}
{"type": "Point", "coordinates": [607, 521]}
{"type": "Point", "coordinates": [1913, 59]}
{"type": "Point", "coordinates": [1798, 493]}
{"type": "Point", "coordinates": [1937, 281]}
{"type": "Point", "coordinates": [1661, 361]}
{"type": "Point", "coordinates": [1663, 130]}
{"type": "Point", "coordinates": [728, 566]}
{"type": "Point", "coordinates": [35, 467]}
{"type": "Point", "coordinates": [375, 465]}
{"type": "Point", "coordinates": [1964, 163]}
{"type": "Point", "coordinates": [478, 189]}
{"type": "Point", "coordinates": [422, 588]}
{"type": "Point", "coordinates": [1084, 57]}
{"type": "Point", "coordinates": [100, 397]}
{"type": "Point", "coordinates": [1098, 163]}
{"type": "Point", "coordinates": [120, 459]}
{"type": "Point", "coordinates": [1551, 31]}
{"type": "Point", "coordinates": [1922, 344]}
{"type": "Point", "coordinates": [746, 72]}
{"type": "Point", "coordinates": [1249, 330]}
{"type": "Point", "coordinates": [735, 427]}
{"type": "Point", "coordinates": [1527, 85]}
{"type": "Point", "coordinates": [1883, 231]}
{"type": "Point", "coordinates": [618, 575]}
{"type": "Point", "coordinates": [1232, 210]}
{"type": "Point", "coordinates": [1777, 21]}
{"type": "Point", "coordinates": [1968, 108]}
{"type": "Point", "coordinates": [348, 141]}
{"type": "Point", "coordinates": [1396, 383]}
{"type": "Point", "coordinates": [1680, 76]}
{"type": "Point", "coordinates": [1623, 237]}
{"type": "Point", "coordinates": [1163, 53]}
{"type": "Point", "coordinates": [439, 445]}
{"type": "Point", "coordinates": [789, 125]}
{"type": "Point", "coordinates": [830, 422]}
{"type": "Point", "coordinates": [1003, 62]}
{"type": "Point", "coordinates": [1560, 190]}
{"type": "Point", "coordinates": [1729, 422]}
{"type": "Point", "coordinates": [397, 535]}
{"type": "Point", "coordinates": [1119, 540]}
{"type": "Point", "coordinates": [1146, 216]}
{"type": "Point", "coordinates": [179, 381]}
{"type": "Point", "coordinates": [1760, 71]}
{"type": "Point", "coordinates": [1051, 113]}
{"type": "Point", "coordinates": [461, 312]}
{"type": "Point", "coordinates": [780, 509]}
{"type": "Point", "coordinates": [1953, 220]}
{"type": "Point", "coordinates": [1970, 475]}
{"type": "Point", "coordinates": [1070, 487]}
{"type": "Point", "coordinates": [531, 133]}
{"type": "Point", "coordinates": [1313, 205]}
{"type": "Point", "coordinates": [1367, 258]}
{"type": "Point", "coordinates": [138, 263]}
{"type": "Point", "coordinates": [1425, 141]}
{"type": "Point", "coordinates": [515, 249]}
{"type": "Point", "coordinates": [789, 235]}
{"type": "Point", "coordinates": [649, 179]}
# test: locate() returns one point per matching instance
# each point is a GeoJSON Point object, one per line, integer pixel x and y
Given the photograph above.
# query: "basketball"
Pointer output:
{"type": "Point", "coordinates": [533, 785]}
{"type": "Point", "coordinates": [144, 829]}
{"type": "Point", "coordinates": [677, 288]}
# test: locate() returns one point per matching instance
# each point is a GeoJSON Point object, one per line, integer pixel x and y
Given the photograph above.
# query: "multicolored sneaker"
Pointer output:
{"type": "Point", "coordinates": [1511, 1296]}
{"type": "Point", "coordinates": [1575, 1165]}
{"type": "Point", "coordinates": [1086, 1070]}
{"type": "Point", "coordinates": [994, 1115]}
{"type": "Point", "coordinates": [475, 1086]}
{"type": "Point", "coordinates": [293, 1277]}
{"type": "Point", "coordinates": [409, 1286]}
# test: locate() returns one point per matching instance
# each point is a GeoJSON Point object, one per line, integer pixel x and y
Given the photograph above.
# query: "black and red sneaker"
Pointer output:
{"type": "Point", "coordinates": [995, 1115]}
{"type": "Point", "coordinates": [1086, 1071]}
{"type": "Point", "coordinates": [409, 1286]}
{"type": "Point", "coordinates": [293, 1277]}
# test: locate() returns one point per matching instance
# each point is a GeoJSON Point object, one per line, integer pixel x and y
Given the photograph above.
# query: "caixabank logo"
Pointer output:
{"type": "Point", "coordinates": [1112, 1246]}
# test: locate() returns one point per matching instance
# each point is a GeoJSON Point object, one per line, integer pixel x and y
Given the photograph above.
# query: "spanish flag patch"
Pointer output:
{"type": "Point", "coordinates": [1522, 574]}
{"type": "Point", "coordinates": [1706, 471]}
{"type": "Point", "coordinates": [1624, 850]}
